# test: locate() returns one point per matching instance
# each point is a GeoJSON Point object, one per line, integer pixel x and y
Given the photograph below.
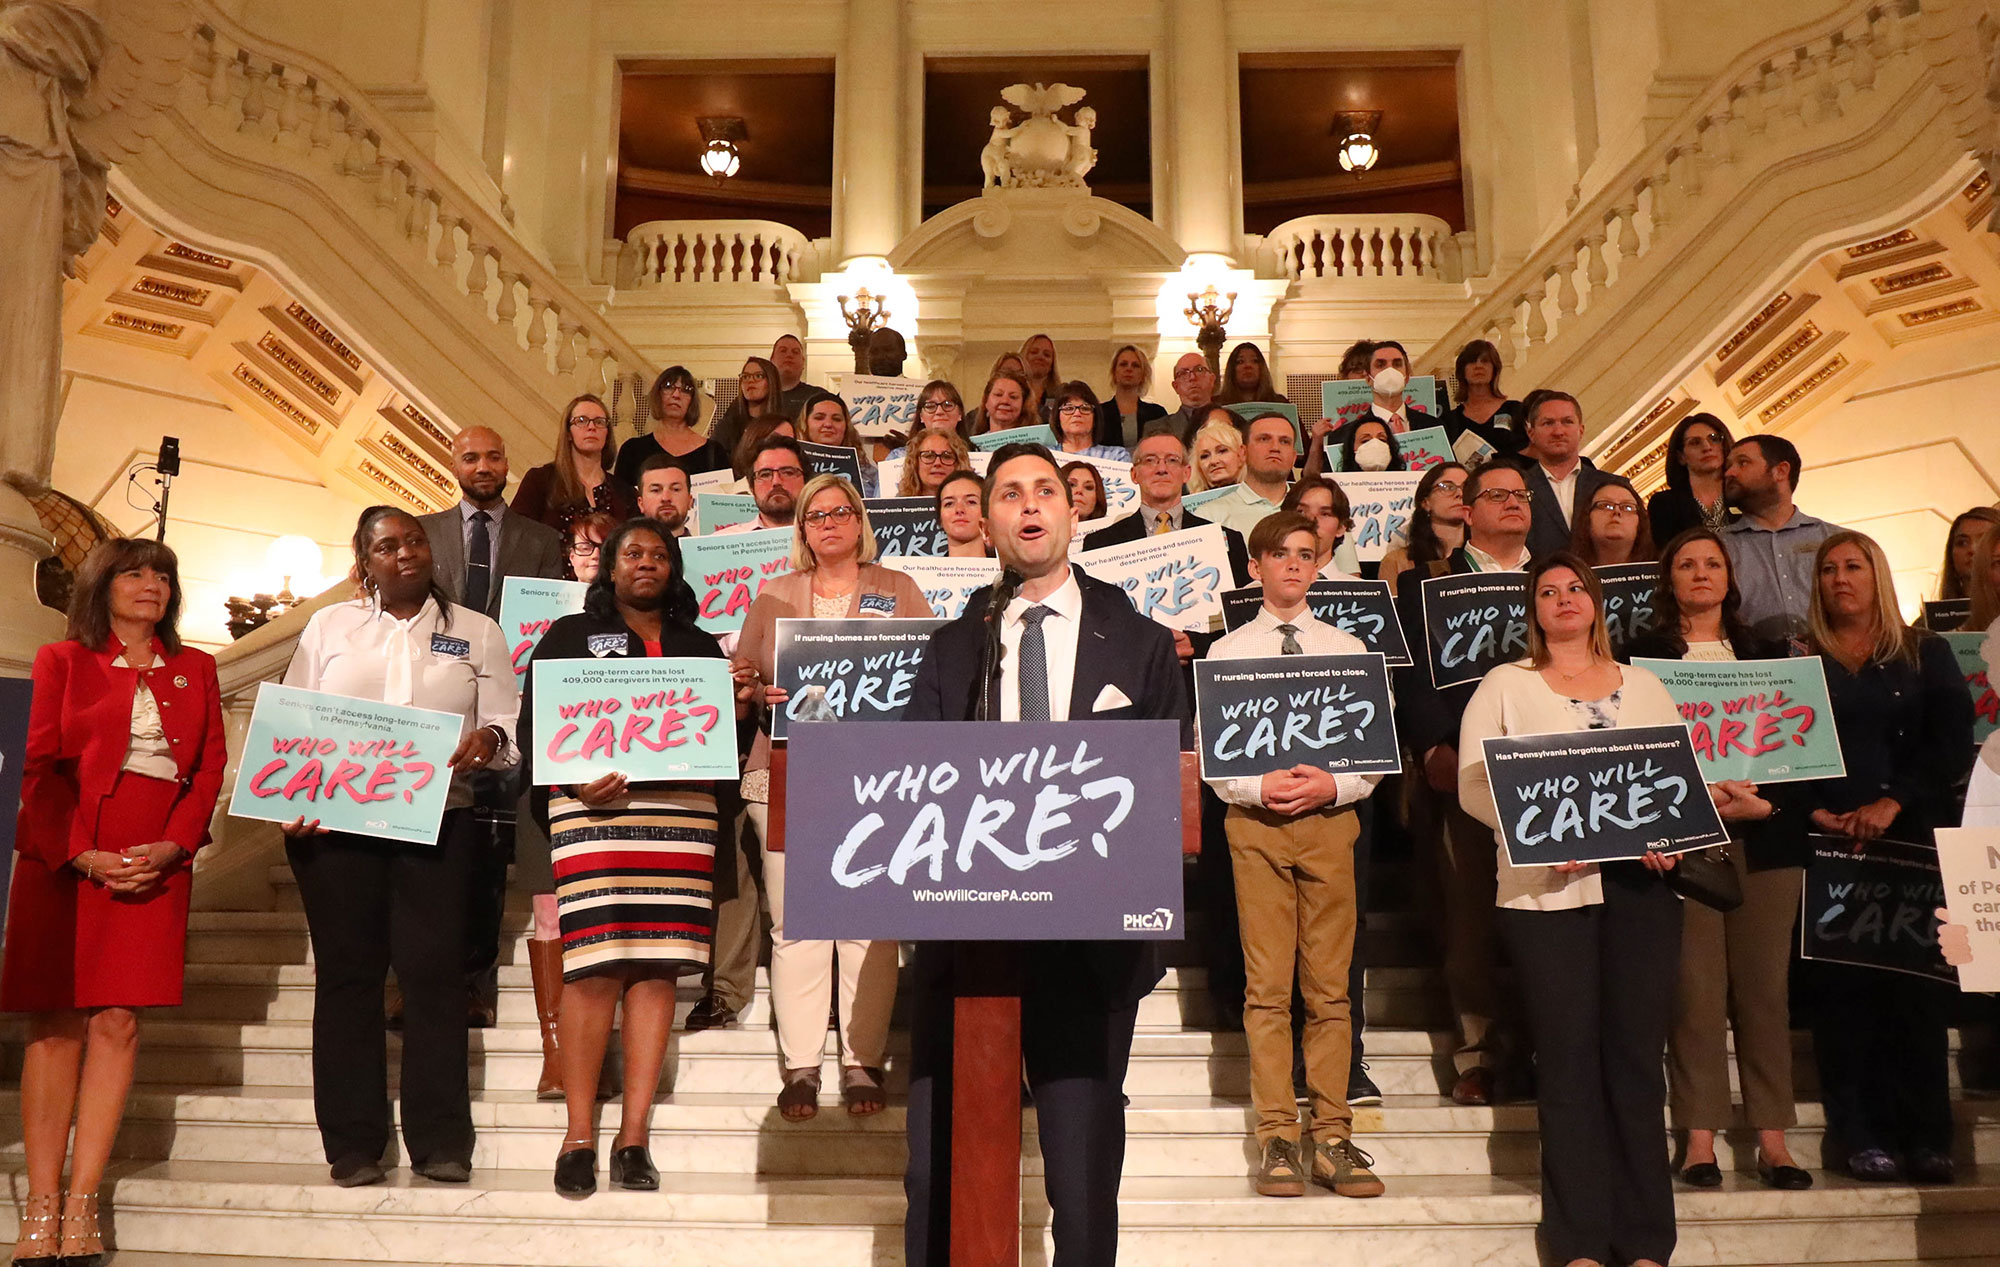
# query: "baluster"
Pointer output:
{"type": "Point", "coordinates": [504, 309]}
{"type": "Point", "coordinates": [754, 268]}
{"type": "Point", "coordinates": [355, 160]}
{"type": "Point", "coordinates": [388, 187]}
{"type": "Point", "coordinates": [1828, 83]}
{"type": "Point", "coordinates": [219, 86]}
{"type": "Point", "coordinates": [597, 353]}
{"type": "Point", "coordinates": [1720, 145]}
{"type": "Point", "coordinates": [446, 253]}
{"type": "Point", "coordinates": [256, 75]}
{"type": "Point", "coordinates": [475, 269]}
{"type": "Point", "coordinates": [1690, 189]}
{"type": "Point", "coordinates": [1538, 321]}
{"type": "Point", "coordinates": [322, 125]}
{"type": "Point", "coordinates": [538, 333]}
{"type": "Point", "coordinates": [1403, 245]}
{"type": "Point", "coordinates": [567, 330]}
{"type": "Point", "coordinates": [1792, 104]}
{"type": "Point", "coordinates": [1861, 70]}
{"type": "Point", "coordinates": [417, 216]}
{"type": "Point", "coordinates": [1595, 269]}
{"type": "Point", "coordinates": [1662, 211]}
{"type": "Point", "coordinates": [1315, 255]}
{"type": "Point", "coordinates": [1503, 338]}
{"type": "Point", "coordinates": [1628, 233]}
{"type": "Point", "coordinates": [724, 263]}
{"type": "Point", "coordinates": [291, 109]}
{"type": "Point", "coordinates": [1755, 109]}
{"type": "Point", "coordinates": [1565, 274]}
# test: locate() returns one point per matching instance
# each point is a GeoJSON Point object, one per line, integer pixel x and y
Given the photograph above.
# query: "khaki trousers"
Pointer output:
{"type": "Point", "coordinates": [1736, 965]}
{"type": "Point", "coordinates": [802, 975]}
{"type": "Point", "coordinates": [1295, 903]}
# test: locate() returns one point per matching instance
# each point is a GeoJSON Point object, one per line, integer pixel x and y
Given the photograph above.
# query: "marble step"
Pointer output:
{"type": "Point", "coordinates": [743, 1134]}
{"type": "Point", "coordinates": [514, 1219]}
{"type": "Point", "coordinates": [1397, 997]}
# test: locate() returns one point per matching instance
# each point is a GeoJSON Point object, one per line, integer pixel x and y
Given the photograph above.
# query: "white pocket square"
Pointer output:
{"type": "Point", "coordinates": [1108, 698]}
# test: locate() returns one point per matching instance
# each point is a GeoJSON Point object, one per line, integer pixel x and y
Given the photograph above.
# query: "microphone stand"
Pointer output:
{"type": "Point", "coordinates": [1002, 593]}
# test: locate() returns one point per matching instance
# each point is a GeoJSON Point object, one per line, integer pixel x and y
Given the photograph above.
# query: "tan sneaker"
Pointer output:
{"type": "Point", "coordinates": [1344, 1169]}
{"type": "Point", "coordinates": [1279, 1173]}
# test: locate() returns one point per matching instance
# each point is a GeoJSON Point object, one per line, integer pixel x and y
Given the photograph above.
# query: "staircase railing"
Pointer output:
{"type": "Point", "coordinates": [680, 256]}
{"type": "Point", "coordinates": [1311, 248]}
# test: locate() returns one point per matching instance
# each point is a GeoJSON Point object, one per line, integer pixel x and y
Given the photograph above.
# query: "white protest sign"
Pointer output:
{"type": "Point", "coordinates": [1969, 857]}
{"type": "Point", "coordinates": [1381, 502]}
{"type": "Point", "coordinates": [1176, 579]}
{"type": "Point", "coordinates": [947, 583]}
{"type": "Point", "coordinates": [878, 406]}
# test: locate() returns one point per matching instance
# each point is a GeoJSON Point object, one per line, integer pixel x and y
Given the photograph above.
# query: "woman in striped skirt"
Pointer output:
{"type": "Point", "coordinates": [633, 865]}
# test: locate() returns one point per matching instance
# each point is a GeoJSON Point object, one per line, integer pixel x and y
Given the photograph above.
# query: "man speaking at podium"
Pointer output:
{"type": "Point", "coordinates": [1074, 650]}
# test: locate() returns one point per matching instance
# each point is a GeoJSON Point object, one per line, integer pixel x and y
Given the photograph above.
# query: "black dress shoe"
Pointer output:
{"type": "Point", "coordinates": [445, 1171]}
{"type": "Point", "coordinates": [357, 1172]}
{"type": "Point", "coordinates": [1783, 1178]}
{"type": "Point", "coordinates": [632, 1169]}
{"type": "Point", "coordinates": [1928, 1165]}
{"type": "Point", "coordinates": [710, 1013]}
{"type": "Point", "coordinates": [576, 1172]}
{"type": "Point", "coordinates": [1703, 1174]}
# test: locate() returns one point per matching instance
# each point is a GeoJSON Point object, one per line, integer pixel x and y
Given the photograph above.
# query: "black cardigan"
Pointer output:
{"type": "Point", "coordinates": [1780, 840]}
{"type": "Point", "coordinates": [1672, 511]}
{"type": "Point", "coordinates": [569, 639]}
{"type": "Point", "coordinates": [1906, 733]}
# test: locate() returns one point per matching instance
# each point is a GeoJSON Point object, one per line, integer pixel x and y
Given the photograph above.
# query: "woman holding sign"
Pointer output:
{"type": "Point", "coordinates": [123, 763]}
{"type": "Point", "coordinates": [1596, 945]}
{"type": "Point", "coordinates": [372, 904]}
{"type": "Point", "coordinates": [634, 864]}
{"type": "Point", "coordinates": [826, 422]}
{"type": "Point", "coordinates": [1736, 962]}
{"type": "Point", "coordinates": [1905, 724]}
{"type": "Point", "coordinates": [832, 577]}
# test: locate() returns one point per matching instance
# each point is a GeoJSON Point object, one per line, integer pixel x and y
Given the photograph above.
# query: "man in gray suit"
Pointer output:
{"type": "Point", "coordinates": [475, 546]}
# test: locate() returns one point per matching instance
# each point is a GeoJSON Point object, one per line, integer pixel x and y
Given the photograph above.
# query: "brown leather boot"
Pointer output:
{"type": "Point", "coordinates": [545, 967]}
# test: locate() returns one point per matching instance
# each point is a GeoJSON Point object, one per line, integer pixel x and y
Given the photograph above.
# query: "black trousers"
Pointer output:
{"type": "Point", "coordinates": [1215, 893]}
{"type": "Point", "coordinates": [1076, 1048]}
{"type": "Point", "coordinates": [370, 905]}
{"type": "Point", "coordinates": [1598, 982]}
{"type": "Point", "coordinates": [1884, 1065]}
{"type": "Point", "coordinates": [496, 797]}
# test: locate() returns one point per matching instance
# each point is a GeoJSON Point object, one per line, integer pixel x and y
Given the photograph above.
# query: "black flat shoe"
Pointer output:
{"type": "Point", "coordinates": [576, 1172]}
{"type": "Point", "coordinates": [1703, 1174]}
{"type": "Point", "coordinates": [357, 1172]}
{"type": "Point", "coordinates": [1783, 1178]}
{"type": "Point", "coordinates": [446, 1171]}
{"type": "Point", "coordinates": [632, 1169]}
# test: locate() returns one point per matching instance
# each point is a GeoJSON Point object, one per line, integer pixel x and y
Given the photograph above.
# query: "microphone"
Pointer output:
{"type": "Point", "coordinates": [1005, 586]}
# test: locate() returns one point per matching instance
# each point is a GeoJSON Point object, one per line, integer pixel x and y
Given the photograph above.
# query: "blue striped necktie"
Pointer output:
{"type": "Point", "coordinates": [1034, 665]}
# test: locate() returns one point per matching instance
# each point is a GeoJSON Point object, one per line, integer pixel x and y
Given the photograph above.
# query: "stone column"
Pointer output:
{"type": "Point", "coordinates": [869, 118]}
{"type": "Point", "coordinates": [1201, 85]}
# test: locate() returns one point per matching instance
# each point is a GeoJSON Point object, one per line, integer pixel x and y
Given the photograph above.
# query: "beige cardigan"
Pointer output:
{"type": "Point", "coordinates": [1514, 700]}
{"type": "Point", "coordinates": [789, 597]}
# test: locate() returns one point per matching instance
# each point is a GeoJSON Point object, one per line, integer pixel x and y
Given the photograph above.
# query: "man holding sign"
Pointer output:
{"type": "Point", "coordinates": [1292, 835]}
{"type": "Point", "coordinates": [1073, 649]}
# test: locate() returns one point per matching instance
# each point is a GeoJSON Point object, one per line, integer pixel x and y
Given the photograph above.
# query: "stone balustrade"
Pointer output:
{"type": "Point", "coordinates": [661, 254]}
{"type": "Point", "coordinates": [1312, 248]}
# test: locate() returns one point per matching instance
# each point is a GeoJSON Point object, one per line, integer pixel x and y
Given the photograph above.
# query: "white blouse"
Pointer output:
{"type": "Point", "coordinates": [1513, 699]}
{"type": "Point", "coordinates": [149, 753]}
{"type": "Point", "coordinates": [357, 649]}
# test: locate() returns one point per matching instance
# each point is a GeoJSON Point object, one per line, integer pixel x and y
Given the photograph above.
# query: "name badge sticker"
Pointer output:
{"type": "Point", "coordinates": [878, 603]}
{"type": "Point", "coordinates": [443, 644]}
{"type": "Point", "coordinates": [602, 645]}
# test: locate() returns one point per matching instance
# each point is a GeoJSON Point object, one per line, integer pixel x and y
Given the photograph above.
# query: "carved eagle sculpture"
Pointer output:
{"type": "Point", "coordinates": [1041, 99]}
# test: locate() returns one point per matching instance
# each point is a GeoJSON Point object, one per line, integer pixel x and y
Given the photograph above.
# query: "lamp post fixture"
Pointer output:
{"type": "Point", "coordinates": [868, 314]}
{"type": "Point", "coordinates": [1209, 314]}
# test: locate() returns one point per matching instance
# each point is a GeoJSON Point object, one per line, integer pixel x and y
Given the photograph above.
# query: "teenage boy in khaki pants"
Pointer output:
{"type": "Point", "coordinates": [1291, 847]}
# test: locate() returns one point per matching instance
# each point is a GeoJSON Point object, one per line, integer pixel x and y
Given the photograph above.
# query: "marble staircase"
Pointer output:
{"type": "Point", "coordinates": [219, 1161]}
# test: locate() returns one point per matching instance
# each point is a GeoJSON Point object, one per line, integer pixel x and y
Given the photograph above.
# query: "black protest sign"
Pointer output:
{"type": "Point", "coordinates": [1600, 795]}
{"type": "Point", "coordinates": [1946, 615]}
{"type": "Point", "coordinates": [1874, 909]}
{"type": "Point", "coordinates": [984, 831]}
{"type": "Point", "coordinates": [906, 525]}
{"type": "Point", "coordinates": [1362, 608]}
{"type": "Point", "coordinates": [847, 670]}
{"type": "Point", "coordinates": [1474, 621]}
{"type": "Point", "coordinates": [1629, 611]}
{"type": "Point", "coordinates": [832, 459]}
{"type": "Point", "coordinates": [1330, 711]}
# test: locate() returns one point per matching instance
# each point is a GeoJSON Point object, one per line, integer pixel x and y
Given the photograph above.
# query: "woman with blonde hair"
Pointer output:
{"type": "Point", "coordinates": [1038, 357]}
{"type": "Point", "coordinates": [833, 576]}
{"type": "Point", "coordinates": [1218, 454]}
{"type": "Point", "coordinates": [1003, 403]}
{"type": "Point", "coordinates": [929, 460]}
{"type": "Point", "coordinates": [1123, 415]}
{"type": "Point", "coordinates": [1247, 377]}
{"type": "Point", "coordinates": [1904, 719]}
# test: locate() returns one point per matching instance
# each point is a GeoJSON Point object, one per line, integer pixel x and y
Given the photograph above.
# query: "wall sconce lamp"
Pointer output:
{"type": "Point", "coordinates": [1209, 313]}
{"type": "Point", "coordinates": [1356, 130]}
{"type": "Point", "coordinates": [719, 157]}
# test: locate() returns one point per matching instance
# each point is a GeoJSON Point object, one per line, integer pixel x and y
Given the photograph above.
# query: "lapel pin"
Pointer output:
{"type": "Point", "coordinates": [180, 682]}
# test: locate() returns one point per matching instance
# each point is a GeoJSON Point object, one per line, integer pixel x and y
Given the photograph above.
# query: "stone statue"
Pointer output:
{"type": "Point", "coordinates": [79, 82]}
{"type": "Point", "coordinates": [1041, 151]}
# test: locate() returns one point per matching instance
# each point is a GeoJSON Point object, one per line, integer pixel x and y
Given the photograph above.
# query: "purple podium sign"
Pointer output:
{"type": "Point", "coordinates": [983, 831]}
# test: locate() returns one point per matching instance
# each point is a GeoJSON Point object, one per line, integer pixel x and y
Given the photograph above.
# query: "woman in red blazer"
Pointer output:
{"type": "Point", "coordinates": [124, 762]}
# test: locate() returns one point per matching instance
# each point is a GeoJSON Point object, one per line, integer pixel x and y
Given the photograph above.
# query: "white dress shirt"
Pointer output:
{"type": "Point", "coordinates": [358, 650]}
{"type": "Point", "coordinates": [1487, 563]}
{"type": "Point", "coordinates": [1060, 630]}
{"type": "Point", "coordinates": [1259, 639]}
{"type": "Point", "coordinates": [1398, 424]}
{"type": "Point", "coordinates": [1565, 490]}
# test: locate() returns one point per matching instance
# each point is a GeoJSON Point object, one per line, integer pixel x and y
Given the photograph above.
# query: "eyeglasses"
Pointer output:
{"type": "Point", "coordinates": [946, 456]}
{"type": "Point", "coordinates": [936, 407]}
{"type": "Point", "coordinates": [838, 515]}
{"type": "Point", "coordinates": [1499, 496]}
{"type": "Point", "coordinates": [1157, 461]}
{"type": "Point", "coordinates": [1617, 508]}
{"type": "Point", "coordinates": [583, 549]}
{"type": "Point", "coordinates": [1193, 371]}
{"type": "Point", "coordinates": [1446, 486]}
{"type": "Point", "coordinates": [771, 473]}
{"type": "Point", "coordinates": [589, 422]}
{"type": "Point", "coordinates": [1076, 408]}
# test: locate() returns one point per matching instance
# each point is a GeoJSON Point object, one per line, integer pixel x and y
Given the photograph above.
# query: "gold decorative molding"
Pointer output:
{"type": "Point", "coordinates": [418, 462]}
{"type": "Point", "coordinates": [391, 483]}
{"type": "Point", "coordinates": [1888, 242]}
{"type": "Point", "coordinates": [1803, 388]}
{"type": "Point", "coordinates": [1977, 187]}
{"type": "Point", "coordinates": [424, 424]}
{"type": "Point", "coordinates": [1894, 283]}
{"type": "Point", "coordinates": [1654, 459]}
{"type": "Point", "coordinates": [145, 325]}
{"type": "Point", "coordinates": [1751, 327]}
{"type": "Point", "coordinates": [1939, 312]}
{"type": "Point", "coordinates": [276, 349]}
{"type": "Point", "coordinates": [160, 288]}
{"type": "Point", "coordinates": [315, 327]}
{"type": "Point", "coordinates": [180, 250]}
{"type": "Point", "coordinates": [273, 397]}
{"type": "Point", "coordinates": [1788, 351]}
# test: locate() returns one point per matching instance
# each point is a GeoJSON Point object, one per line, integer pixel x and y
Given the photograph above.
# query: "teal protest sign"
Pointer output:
{"type": "Point", "coordinates": [948, 584]}
{"type": "Point", "coordinates": [720, 510]}
{"type": "Point", "coordinates": [1176, 579]}
{"type": "Point", "coordinates": [1380, 502]}
{"type": "Point", "coordinates": [1195, 501]}
{"type": "Point", "coordinates": [1421, 450]}
{"type": "Point", "coordinates": [1967, 648]}
{"type": "Point", "coordinates": [1343, 400]}
{"type": "Point", "coordinates": [1765, 721]}
{"type": "Point", "coordinates": [528, 606]}
{"type": "Point", "coordinates": [356, 765]}
{"type": "Point", "coordinates": [650, 719]}
{"type": "Point", "coordinates": [729, 571]}
{"type": "Point", "coordinates": [987, 441]}
{"type": "Point", "coordinates": [1249, 409]}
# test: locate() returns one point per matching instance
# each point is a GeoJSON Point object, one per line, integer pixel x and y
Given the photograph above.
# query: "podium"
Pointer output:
{"type": "Point", "coordinates": [986, 1064]}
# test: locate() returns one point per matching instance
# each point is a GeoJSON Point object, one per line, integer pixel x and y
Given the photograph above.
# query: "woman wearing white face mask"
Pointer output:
{"type": "Point", "coordinates": [1371, 446]}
